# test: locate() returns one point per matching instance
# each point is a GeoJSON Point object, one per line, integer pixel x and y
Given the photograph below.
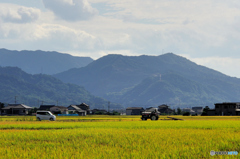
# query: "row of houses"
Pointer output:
{"type": "Point", "coordinates": [84, 109]}
{"type": "Point", "coordinates": [21, 109]}
{"type": "Point", "coordinates": [163, 109]}
{"type": "Point", "coordinates": [223, 109]}
{"type": "Point", "coordinates": [226, 108]}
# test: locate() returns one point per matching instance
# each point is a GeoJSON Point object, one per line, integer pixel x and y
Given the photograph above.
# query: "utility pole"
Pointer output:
{"type": "Point", "coordinates": [15, 99]}
{"type": "Point", "coordinates": [57, 102]}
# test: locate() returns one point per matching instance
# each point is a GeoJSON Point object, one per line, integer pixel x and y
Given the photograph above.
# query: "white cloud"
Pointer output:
{"type": "Point", "coordinates": [225, 65]}
{"type": "Point", "coordinates": [64, 37]}
{"type": "Point", "coordinates": [71, 10]}
{"type": "Point", "coordinates": [52, 37]}
{"type": "Point", "coordinates": [18, 14]}
{"type": "Point", "coordinates": [200, 29]}
{"type": "Point", "coordinates": [194, 27]}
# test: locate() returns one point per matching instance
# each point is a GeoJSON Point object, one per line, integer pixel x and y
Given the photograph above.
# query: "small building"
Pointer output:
{"type": "Point", "coordinates": [197, 110]}
{"type": "Point", "coordinates": [45, 107]}
{"type": "Point", "coordinates": [227, 108]}
{"type": "Point", "coordinates": [134, 110]}
{"type": "Point", "coordinates": [73, 109]}
{"type": "Point", "coordinates": [165, 109]}
{"type": "Point", "coordinates": [211, 112]}
{"type": "Point", "coordinates": [16, 109]}
{"type": "Point", "coordinates": [189, 110]}
{"type": "Point", "coordinates": [84, 106]}
{"type": "Point", "coordinates": [59, 110]}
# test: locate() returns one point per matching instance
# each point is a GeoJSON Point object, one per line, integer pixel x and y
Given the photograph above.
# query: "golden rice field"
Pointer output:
{"type": "Point", "coordinates": [118, 137]}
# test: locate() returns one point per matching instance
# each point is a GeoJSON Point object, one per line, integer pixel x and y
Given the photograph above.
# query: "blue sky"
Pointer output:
{"type": "Point", "coordinates": [206, 32]}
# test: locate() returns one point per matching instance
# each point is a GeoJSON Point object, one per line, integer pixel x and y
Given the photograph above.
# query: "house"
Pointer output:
{"type": "Point", "coordinates": [16, 109]}
{"type": "Point", "coordinates": [84, 106]}
{"type": "Point", "coordinates": [81, 112]}
{"type": "Point", "coordinates": [134, 110]}
{"type": "Point", "coordinates": [73, 109]}
{"type": "Point", "coordinates": [59, 110]}
{"type": "Point", "coordinates": [45, 107]}
{"type": "Point", "coordinates": [211, 112]}
{"type": "Point", "coordinates": [164, 109]}
{"type": "Point", "coordinates": [99, 111]}
{"type": "Point", "coordinates": [188, 110]}
{"type": "Point", "coordinates": [197, 110]}
{"type": "Point", "coordinates": [229, 108]}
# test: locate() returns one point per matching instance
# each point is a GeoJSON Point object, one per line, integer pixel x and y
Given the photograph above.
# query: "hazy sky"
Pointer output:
{"type": "Point", "coordinates": [206, 32]}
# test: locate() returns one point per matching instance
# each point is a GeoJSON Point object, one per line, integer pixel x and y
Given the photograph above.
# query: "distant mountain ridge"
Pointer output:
{"type": "Point", "coordinates": [32, 90]}
{"type": "Point", "coordinates": [35, 62]}
{"type": "Point", "coordinates": [134, 80]}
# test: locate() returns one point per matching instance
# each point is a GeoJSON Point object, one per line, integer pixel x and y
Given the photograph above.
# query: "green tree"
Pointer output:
{"type": "Point", "coordinates": [205, 111]}
{"type": "Point", "coordinates": [179, 111]}
{"type": "Point", "coordinates": [34, 110]}
{"type": "Point", "coordinates": [186, 114]}
{"type": "Point", "coordinates": [1, 106]}
{"type": "Point", "coordinates": [174, 112]}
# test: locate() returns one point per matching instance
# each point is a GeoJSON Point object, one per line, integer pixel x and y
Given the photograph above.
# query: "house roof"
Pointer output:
{"type": "Point", "coordinates": [60, 107]}
{"type": "Point", "coordinates": [163, 106]}
{"type": "Point", "coordinates": [45, 107]}
{"type": "Point", "coordinates": [75, 107]}
{"type": "Point", "coordinates": [197, 108]}
{"type": "Point", "coordinates": [228, 103]}
{"type": "Point", "coordinates": [151, 109]}
{"type": "Point", "coordinates": [134, 108]}
{"type": "Point", "coordinates": [83, 104]}
{"type": "Point", "coordinates": [17, 106]}
{"type": "Point", "coordinates": [188, 110]}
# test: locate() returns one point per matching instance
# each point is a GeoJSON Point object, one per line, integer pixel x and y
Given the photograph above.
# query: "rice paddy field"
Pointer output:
{"type": "Point", "coordinates": [118, 137]}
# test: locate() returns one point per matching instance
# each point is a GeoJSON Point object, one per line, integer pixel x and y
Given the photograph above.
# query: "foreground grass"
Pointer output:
{"type": "Point", "coordinates": [114, 138]}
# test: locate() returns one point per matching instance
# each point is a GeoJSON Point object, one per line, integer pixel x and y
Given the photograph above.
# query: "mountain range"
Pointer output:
{"type": "Point", "coordinates": [129, 80]}
{"type": "Point", "coordinates": [34, 90]}
{"type": "Point", "coordinates": [154, 80]}
{"type": "Point", "coordinates": [35, 62]}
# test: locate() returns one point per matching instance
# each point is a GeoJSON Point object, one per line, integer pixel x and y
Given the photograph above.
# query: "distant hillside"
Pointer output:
{"type": "Point", "coordinates": [33, 89]}
{"type": "Point", "coordinates": [35, 62]}
{"type": "Point", "coordinates": [171, 89]}
{"type": "Point", "coordinates": [132, 80]}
